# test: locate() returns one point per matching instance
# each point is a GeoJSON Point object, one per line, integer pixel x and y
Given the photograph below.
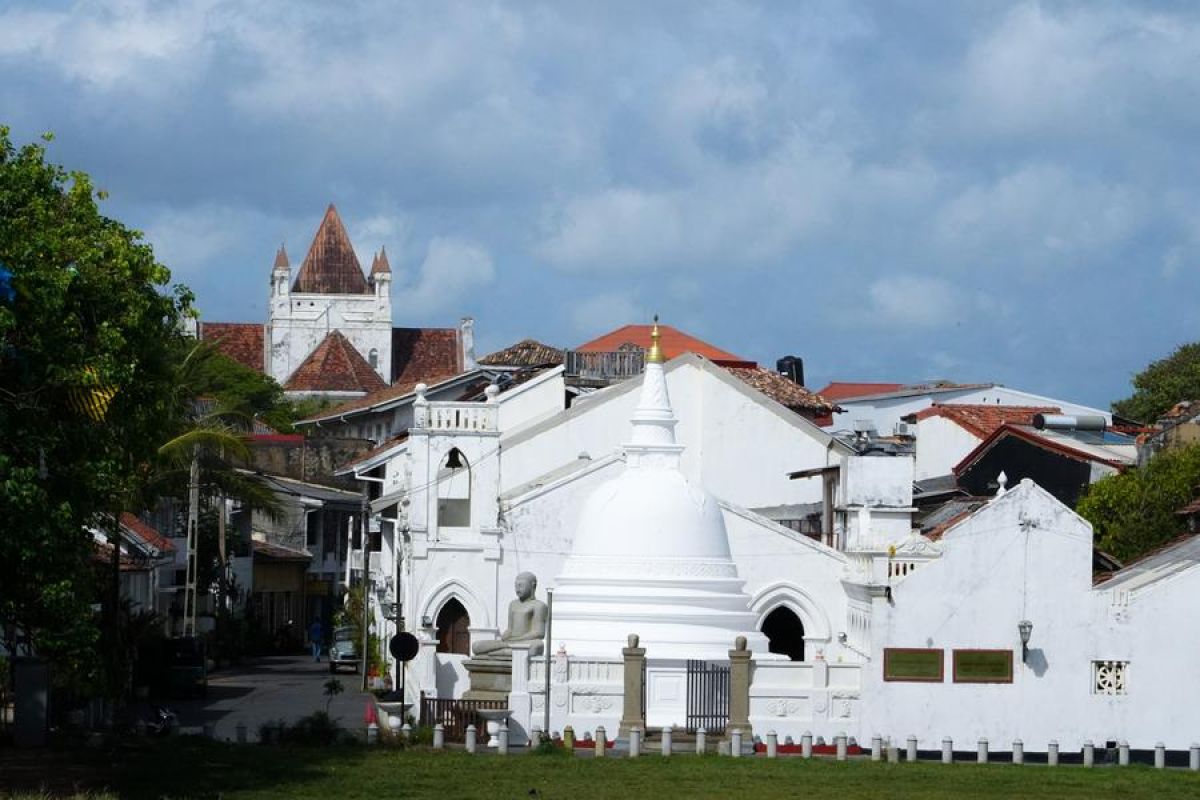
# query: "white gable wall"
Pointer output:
{"type": "Point", "coordinates": [941, 444]}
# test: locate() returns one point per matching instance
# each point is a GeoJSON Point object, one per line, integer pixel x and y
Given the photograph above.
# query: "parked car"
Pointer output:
{"type": "Point", "coordinates": [187, 667]}
{"type": "Point", "coordinates": [344, 651]}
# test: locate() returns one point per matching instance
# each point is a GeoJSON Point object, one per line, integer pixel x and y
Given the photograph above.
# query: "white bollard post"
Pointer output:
{"type": "Point", "coordinates": [502, 747]}
{"type": "Point", "coordinates": [372, 733]}
{"type": "Point", "coordinates": [635, 742]}
{"type": "Point", "coordinates": [1052, 753]}
{"type": "Point", "coordinates": [947, 750]}
{"type": "Point", "coordinates": [911, 753]}
{"type": "Point", "coordinates": [1194, 757]}
{"type": "Point", "coordinates": [893, 752]}
{"type": "Point", "coordinates": [1160, 755]}
{"type": "Point", "coordinates": [240, 732]}
{"type": "Point", "coordinates": [701, 741]}
{"type": "Point", "coordinates": [1018, 751]}
{"type": "Point", "coordinates": [666, 741]}
{"type": "Point", "coordinates": [1122, 753]}
{"type": "Point", "coordinates": [735, 743]}
{"type": "Point", "coordinates": [406, 731]}
{"type": "Point", "coordinates": [1089, 753]}
{"type": "Point", "coordinates": [806, 745]}
{"type": "Point", "coordinates": [471, 740]}
{"type": "Point", "coordinates": [877, 748]}
{"type": "Point", "coordinates": [601, 741]}
{"type": "Point", "coordinates": [772, 744]}
{"type": "Point", "coordinates": [840, 743]}
{"type": "Point", "coordinates": [982, 750]}
{"type": "Point", "coordinates": [439, 737]}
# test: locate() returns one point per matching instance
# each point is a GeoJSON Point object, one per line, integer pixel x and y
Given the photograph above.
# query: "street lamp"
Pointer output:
{"type": "Point", "coordinates": [1025, 628]}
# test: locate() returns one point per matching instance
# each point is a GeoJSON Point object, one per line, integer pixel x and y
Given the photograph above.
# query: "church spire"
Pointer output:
{"type": "Point", "coordinates": [281, 258]}
{"type": "Point", "coordinates": [380, 264]}
{"type": "Point", "coordinates": [331, 266]}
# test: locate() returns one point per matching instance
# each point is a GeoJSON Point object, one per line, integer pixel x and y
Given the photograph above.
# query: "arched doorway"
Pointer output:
{"type": "Point", "coordinates": [453, 629]}
{"type": "Point", "coordinates": [785, 633]}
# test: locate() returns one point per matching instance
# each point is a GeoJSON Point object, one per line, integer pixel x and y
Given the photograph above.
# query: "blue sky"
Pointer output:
{"type": "Point", "coordinates": [893, 191]}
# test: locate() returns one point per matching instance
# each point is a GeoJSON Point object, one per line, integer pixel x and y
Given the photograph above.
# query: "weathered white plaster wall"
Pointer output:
{"type": "Point", "coordinates": [297, 323]}
{"type": "Point", "coordinates": [941, 444]}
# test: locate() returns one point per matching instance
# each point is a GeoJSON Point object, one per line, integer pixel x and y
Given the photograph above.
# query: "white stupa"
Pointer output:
{"type": "Point", "coordinates": [651, 555]}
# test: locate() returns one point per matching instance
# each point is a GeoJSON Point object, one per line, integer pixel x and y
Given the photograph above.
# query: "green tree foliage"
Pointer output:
{"type": "Point", "coordinates": [1163, 384]}
{"type": "Point", "coordinates": [1134, 512]}
{"type": "Point", "coordinates": [88, 333]}
{"type": "Point", "coordinates": [241, 390]}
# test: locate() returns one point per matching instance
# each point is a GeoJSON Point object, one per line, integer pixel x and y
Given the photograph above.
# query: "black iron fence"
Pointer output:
{"type": "Point", "coordinates": [707, 696]}
{"type": "Point", "coordinates": [455, 715]}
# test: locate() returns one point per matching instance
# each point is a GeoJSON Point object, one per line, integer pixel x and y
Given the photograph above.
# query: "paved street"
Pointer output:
{"type": "Point", "coordinates": [269, 689]}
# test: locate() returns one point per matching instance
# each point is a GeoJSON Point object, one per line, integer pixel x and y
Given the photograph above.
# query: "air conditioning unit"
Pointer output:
{"type": "Point", "coordinates": [903, 429]}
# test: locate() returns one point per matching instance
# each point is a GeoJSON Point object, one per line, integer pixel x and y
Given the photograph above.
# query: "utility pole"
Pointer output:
{"type": "Point", "coordinates": [189, 589]}
{"type": "Point", "coordinates": [366, 583]}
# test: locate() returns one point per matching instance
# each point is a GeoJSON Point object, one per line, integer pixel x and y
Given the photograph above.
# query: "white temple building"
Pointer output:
{"type": "Point", "coordinates": [642, 508]}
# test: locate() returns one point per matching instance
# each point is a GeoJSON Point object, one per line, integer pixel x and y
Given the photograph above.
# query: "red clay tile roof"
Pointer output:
{"type": "Point", "coordinates": [673, 342]}
{"type": "Point", "coordinates": [420, 354]}
{"type": "Point", "coordinates": [146, 533]}
{"type": "Point", "coordinates": [335, 366]}
{"type": "Point", "coordinates": [525, 353]}
{"type": "Point", "coordinates": [241, 341]}
{"type": "Point", "coordinates": [396, 390]}
{"type": "Point", "coordinates": [331, 267]}
{"type": "Point", "coordinates": [784, 391]}
{"type": "Point", "coordinates": [982, 419]}
{"type": "Point", "coordinates": [841, 390]}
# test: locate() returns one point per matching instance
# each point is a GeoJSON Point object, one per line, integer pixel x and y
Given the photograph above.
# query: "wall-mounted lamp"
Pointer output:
{"type": "Point", "coordinates": [1025, 627]}
{"type": "Point", "coordinates": [426, 621]}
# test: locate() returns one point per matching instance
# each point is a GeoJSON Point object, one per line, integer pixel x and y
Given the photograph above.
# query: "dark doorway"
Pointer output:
{"type": "Point", "coordinates": [785, 633]}
{"type": "Point", "coordinates": [453, 629]}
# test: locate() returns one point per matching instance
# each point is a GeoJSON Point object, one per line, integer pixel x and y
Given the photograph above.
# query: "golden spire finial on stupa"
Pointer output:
{"type": "Point", "coordinates": [654, 355]}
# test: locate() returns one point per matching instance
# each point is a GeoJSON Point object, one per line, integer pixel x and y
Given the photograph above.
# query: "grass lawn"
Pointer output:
{"type": "Point", "coordinates": [194, 768]}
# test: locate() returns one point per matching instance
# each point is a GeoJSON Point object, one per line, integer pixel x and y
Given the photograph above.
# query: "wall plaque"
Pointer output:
{"type": "Point", "coordinates": [913, 664]}
{"type": "Point", "coordinates": [983, 666]}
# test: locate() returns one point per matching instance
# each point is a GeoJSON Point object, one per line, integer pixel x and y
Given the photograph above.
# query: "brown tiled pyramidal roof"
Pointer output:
{"type": "Point", "coordinates": [281, 258]}
{"type": "Point", "coordinates": [241, 341]}
{"type": "Point", "coordinates": [420, 353]}
{"type": "Point", "coordinates": [982, 419]}
{"type": "Point", "coordinates": [331, 267]}
{"type": "Point", "coordinates": [525, 353]}
{"type": "Point", "coordinates": [784, 391]}
{"type": "Point", "coordinates": [380, 265]}
{"type": "Point", "coordinates": [335, 366]}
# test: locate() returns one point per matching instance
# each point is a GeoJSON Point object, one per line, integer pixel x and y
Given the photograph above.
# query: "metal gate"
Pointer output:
{"type": "Point", "coordinates": [455, 715]}
{"type": "Point", "coordinates": [707, 696]}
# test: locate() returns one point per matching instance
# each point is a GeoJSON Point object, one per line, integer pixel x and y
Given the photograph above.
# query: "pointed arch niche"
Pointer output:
{"type": "Point", "coordinates": [791, 619]}
{"type": "Point", "coordinates": [454, 490]}
{"type": "Point", "coordinates": [453, 628]}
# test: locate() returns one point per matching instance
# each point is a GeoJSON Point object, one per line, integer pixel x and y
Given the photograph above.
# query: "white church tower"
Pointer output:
{"type": "Point", "coordinates": [330, 333]}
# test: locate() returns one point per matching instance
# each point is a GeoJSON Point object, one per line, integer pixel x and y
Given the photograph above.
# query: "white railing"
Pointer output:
{"type": "Point", "coordinates": [467, 417]}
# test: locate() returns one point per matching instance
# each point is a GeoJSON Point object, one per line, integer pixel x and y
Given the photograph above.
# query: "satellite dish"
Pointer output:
{"type": "Point", "coordinates": [404, 646]}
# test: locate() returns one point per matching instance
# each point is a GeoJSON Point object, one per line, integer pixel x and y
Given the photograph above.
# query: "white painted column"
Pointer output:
{"type": "Point", "coordinates": [519, 700]}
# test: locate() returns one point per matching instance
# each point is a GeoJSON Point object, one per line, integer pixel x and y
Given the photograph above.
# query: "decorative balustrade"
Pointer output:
{"type": "Point", "coordinates": [457, 417]}
{"type": "Point", "coordinates": [605, 367]}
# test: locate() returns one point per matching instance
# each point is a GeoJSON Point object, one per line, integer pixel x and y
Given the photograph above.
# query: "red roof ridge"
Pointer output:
{"type": "Point", "coordinates": [146, 533]}
{"type": "Point", "coordinates": [331, 266]}
{"type": "Point", "coordinates": [335, 366]}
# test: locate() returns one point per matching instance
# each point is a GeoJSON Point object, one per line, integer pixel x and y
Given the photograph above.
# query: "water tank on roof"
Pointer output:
{"type": "Point", "coordinates": [1065, 422]}
{"type": "Point", "coordinates": [792, 368]}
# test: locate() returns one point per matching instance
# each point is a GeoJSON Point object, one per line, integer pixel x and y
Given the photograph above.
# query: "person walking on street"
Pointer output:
{"type": "Point", "coordinates": [314, 638]}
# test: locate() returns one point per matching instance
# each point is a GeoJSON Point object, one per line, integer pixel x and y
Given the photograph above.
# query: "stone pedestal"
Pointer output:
{"type": "Point", "coordinates": [739, 689]}
{"type": "Point", "coordinates": [632, 713]}
{"type": "Point", "coordinates": [490, 678]}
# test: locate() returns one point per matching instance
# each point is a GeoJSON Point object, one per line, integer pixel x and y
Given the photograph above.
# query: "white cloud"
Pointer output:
{"type": "Point", "coordinates": [915, 301]}
{"type": "Point", "coordinates": [598, 314]}
{"type": "Point", "coordinates": [452, 270]}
